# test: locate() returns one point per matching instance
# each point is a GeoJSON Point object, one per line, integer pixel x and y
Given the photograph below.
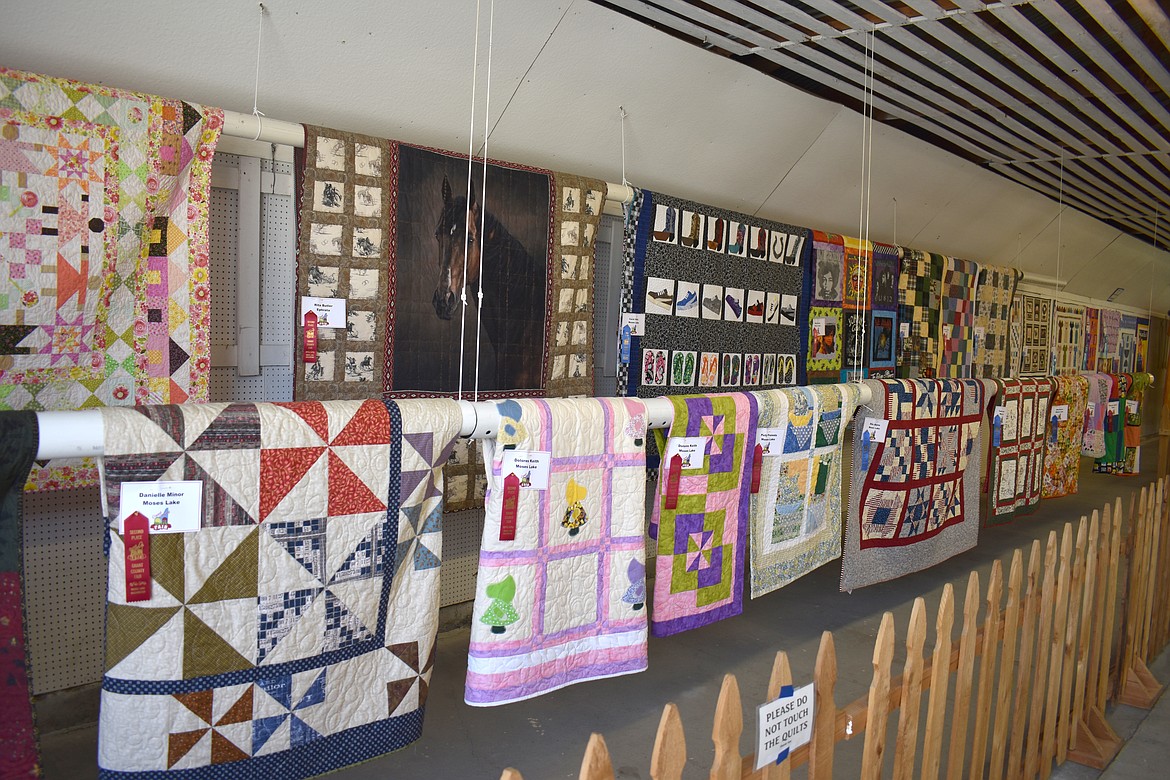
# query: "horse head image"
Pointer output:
{"type": "Point", "coordinates": [457, 234]}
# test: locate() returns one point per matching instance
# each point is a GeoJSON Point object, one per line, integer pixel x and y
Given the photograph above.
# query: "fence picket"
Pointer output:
{"type": "Point", "coordinates": [990, 650]}
{"type": "Point", "coordinates": [1088, 598]}
{"type": "Point", "coordinates": [824, 736]}
{"type": "Point", "coordinates": [596, 764]}
{"type": "Point", "coordinates": [877, 715]}
{"type": "Point", "coordinates": [1068, 664]}
{"type": "Point", "coordinates": [1007, 665]}
{"type": "Point", "coordinates": [906, 747]}
{"type": "Point", "coordinates": [940, 675]}
{"type": "Point", "coordinates": [781, 676]}
{"type": "Point", "coordinates": [726, 730]}
{"type": "Point", "coordinates": [1025, 668]}
{"type": "Point", "coordinates": [1104, 670]}
{"type": "Point", "coordinates": [963, 679]}
{"type": "Point", "coordinates": [1043, 647]}
{"type": "Point", "coordinates": [670, 746]}
{"type": "Point", "coordinates": [1056, 652]}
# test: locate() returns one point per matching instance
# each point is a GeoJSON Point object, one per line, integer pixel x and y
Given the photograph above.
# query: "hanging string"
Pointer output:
{"type": "Point", "coordinates": [467, 215]}
{"type": "Point", "coordinates": [1060, 223]}
{"type": "Point", "coordinates": [622, 112]}
{"type": "Point", "coordinates": [895, 220]}
{"type": "Point", "coordinates": [256, 87]}
{"type": "Point", "coordinates": [861, 274]}
{"type": "Point", "coordinates": [868, 186]}
{"type": "Point", "coordinates": [483, 196]}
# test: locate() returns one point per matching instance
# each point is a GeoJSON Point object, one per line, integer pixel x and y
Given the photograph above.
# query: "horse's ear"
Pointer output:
{"type": "Point", "coordinates": [474, 200]}
{"type": "Point", "coordinates": [446, 191]}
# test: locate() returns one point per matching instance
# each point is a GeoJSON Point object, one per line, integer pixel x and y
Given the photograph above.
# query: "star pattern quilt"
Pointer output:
{"type": "Point", "coordinates": [914, 497]}
{"type": "Point", "coordinates": [294, 632]}
{"type": "Point", "coordinates": [104, 292]}
{"type": "Point", "coordinates": [564, 600]}
{"type": "Point", "coordinates": [722, 297]}
{"type": "Point", "coordinates": [796, 515]}
{"type": "Point", "coordinates": [957, 317]}
{"type": "Point", "coordinates": [701, 541]}
{"type": "Point", "coordinates": [1062, 455]}
{"type": "Point", "coordinates": [1017, 462]}
{"type": "Point", "coordinates": [994, 289]}
{"type": "Point", "coordinates": [919, 287]}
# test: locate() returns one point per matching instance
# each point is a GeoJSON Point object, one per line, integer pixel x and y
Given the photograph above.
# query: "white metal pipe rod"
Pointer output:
{"type": "Point", "coordinates": [261, 128]}
{"type": "Point", "coordinates": [82, 434]}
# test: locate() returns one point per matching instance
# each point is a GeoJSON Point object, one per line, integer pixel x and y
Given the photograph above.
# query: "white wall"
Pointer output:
{"type": "Point", "coordinates": [699, 125]}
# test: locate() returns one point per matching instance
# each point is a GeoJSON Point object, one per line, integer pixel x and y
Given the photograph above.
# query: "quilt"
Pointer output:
{"type": "Point", "coordinates": [563, 600]}
{"type": "Point", "coordinates": [294, 632]}
{"type": "Point", "coordinates": [632, 214]}
{"type": "Point", "coordinates": [919, 287]}
{"type": "Point", "coordinates": [884, 317]}
{"type": "Point", "coordinates": [721, 295]}
{"type": "Point", "coordinates": [464, 477]}
{"type": "Point", "coordinates": [1134, 399]}
{"type": "Point", "coordinates": [1069, 343]}
{"type": "Point", "coordinates": [701, 540]}
{"type": "Point", "coordinates": [1109, 341]}
{"type": "Point", "coordinates": [914, 496]}
{"type": "Point", "coordinates": [104, 293]}
{"type": "Point", "coordinates": [796, 515]}
{"type": "Point", "coordinates": [825, 286]}
{"type": "Point", "coordinates": [1019, 421]}
{"type": "Point", "coordinates": [957, 317]}
{"type": "Point", "coordinates": [1035, 316]}
{"type": "Point", "coordinates": [1113, 460]}
{"type": "Point", "coordinates": [1092, 334]}
{"type": "Point", "coordinates": [1141, 348]}
{"type": "Point", "coordinates": [1062, 455]}
{"type": "Point", "coordinates": [994, 289]}
{"type": "Point", "coordinates": [19, 755]}
{"type": "Point", "coordinates": [1127, 344]}
{"type": "Point", "coordinates": [1093, 440]}
{"type": "Point", "coordinates": [578, 217]}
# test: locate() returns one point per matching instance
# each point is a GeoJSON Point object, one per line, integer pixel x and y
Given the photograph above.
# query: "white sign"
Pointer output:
{"type": "Point", "coordinates": [1060, 412]}
{"type": "Point", "coordinates": [637, 323]}
{"type": "Point", "coordinates": [171, 507]}
{"type": "Point", "coordinates": [1113, 407]}
{"type": "Point", "coordinates": [1131, 407]}
{"type": "Point", "coordinates": [904, 329]}
{"type": "Point", "coordinates": [529, 466]}
{"type": "Point", "coordinates": [783, 725]}
{"type": "Point", "coordinates": [330, 311]}
{"type": "Point", "coordinates": [1000, 412]}
{"type": "Point", "coordinates": [691, 449]}
{"type": "Point", "coordinates": [1091, 408]}
{"type": "Point", "coordinates": [876, 428]}
{"type": "Point", "coordinates": [771, 440]}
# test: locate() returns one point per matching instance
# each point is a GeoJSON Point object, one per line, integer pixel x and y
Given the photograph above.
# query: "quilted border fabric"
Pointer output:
{"type": "Point", "coordinates": [578, 217]}
{"type": "Point", "coordinates": [1062, 458]}
{"type": "Point", "coordinates": [293, 634]}
{"type": "Point", "coordinates": [701, 542]}
{"type": "Point", "coordinates": [19, 753]}
{"type": "Point", "coordinates": [722, 295]}
{"type": "Point", "coordinates": [919, 284]}
{"type": "Point", "coordinates": [564, 601]}
{"type": "Point", "coordinates": [914, 497]}
{"type": "Point", "coordinates": [956, 317]}
{"type": "Point", "coordinates": [1069, 339]}
{"type": "Point", "coordinates": [105, 295]}
{"type": "Point", "coordinates": [796, 515]}
{"type": "Point", "coordinates": [1017, 463]}
{"type": "Point", "coordinates": [994, 291]}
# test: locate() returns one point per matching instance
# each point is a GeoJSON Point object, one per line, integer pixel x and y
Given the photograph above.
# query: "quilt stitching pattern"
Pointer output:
{"type": "Point", "coordinates": [918, 312]}
{"type": "Point", "coordinates": [1069, 343]}
{"type": "Point", "coordinates": [1062, 457]}
{"type": "Point", "coordinates": [293, 633]}
{"type": "Point", "coordinates": [701, 542]}
{"type": "Point", "coordinates": [994, 291]}
{"type": "Point", "coordinates": [564, 601]}
{"type": "Point", "coordinates": [1035, 316]}
{"type": "Point", "coordinates": [1017, 463]}
{"type": "Point", "coordinates": [957, 317]}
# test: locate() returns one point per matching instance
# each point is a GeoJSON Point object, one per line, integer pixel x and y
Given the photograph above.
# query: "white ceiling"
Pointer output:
{"type": "Point", "coordinates": [699, 125]}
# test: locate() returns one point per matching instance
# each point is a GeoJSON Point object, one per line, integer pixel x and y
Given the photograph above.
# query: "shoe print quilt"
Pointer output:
{"type": "Point", "coordinates": [701, 524]}
{"type": "Point", "coordinates": [796, 515]}
{"type": "Point", "coordinates": [1018, 416]}
{"type": "Point", "coordinates": [561, 593]}
{"type": "Point", "coordinates": [722, 297]}
{"type": "Point", "coordinates": [914, 496]}
{"type": "Point", "coordinates": [292, 633]}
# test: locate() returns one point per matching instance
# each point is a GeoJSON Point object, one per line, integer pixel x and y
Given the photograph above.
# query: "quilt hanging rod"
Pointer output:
{"type": "Point", "coordinates": [81, 434]}
{"type": "Point", "coordinates": [258, 128]}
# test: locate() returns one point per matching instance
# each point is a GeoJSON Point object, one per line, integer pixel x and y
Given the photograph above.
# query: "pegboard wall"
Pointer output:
{"type": "Point", "coordinates": [65, 587]}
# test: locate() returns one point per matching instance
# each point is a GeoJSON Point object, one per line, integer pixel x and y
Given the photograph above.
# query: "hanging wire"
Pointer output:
{"type": "Point", "coordinates": [622, 112]}
{"type": "Point", "coordinates": [467, 215]}
{"type": "Point", "coordinates": [256, 87]}
{"type": "Point", "coordinates": [483, 196]}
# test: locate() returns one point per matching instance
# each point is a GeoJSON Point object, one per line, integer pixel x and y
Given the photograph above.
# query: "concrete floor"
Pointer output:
{"type": "Point", "coordinates": [545, 737]}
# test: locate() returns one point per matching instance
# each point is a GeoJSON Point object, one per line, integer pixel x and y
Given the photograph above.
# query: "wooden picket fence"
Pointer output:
{"type": "Point", "coordinates": [1049, 661]}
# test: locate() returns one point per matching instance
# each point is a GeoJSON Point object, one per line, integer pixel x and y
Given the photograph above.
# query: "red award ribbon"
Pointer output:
{"type": "Point", "coordinates": [508, 513]}
{"type": "Point", "coordinates": [672, 480]}
{"type": "Point", "coordinates": [757, 467]}
{"type": "Point", "coordinates": [136, 538]}
{"type": "Point", "coordinates": [310, 355]}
